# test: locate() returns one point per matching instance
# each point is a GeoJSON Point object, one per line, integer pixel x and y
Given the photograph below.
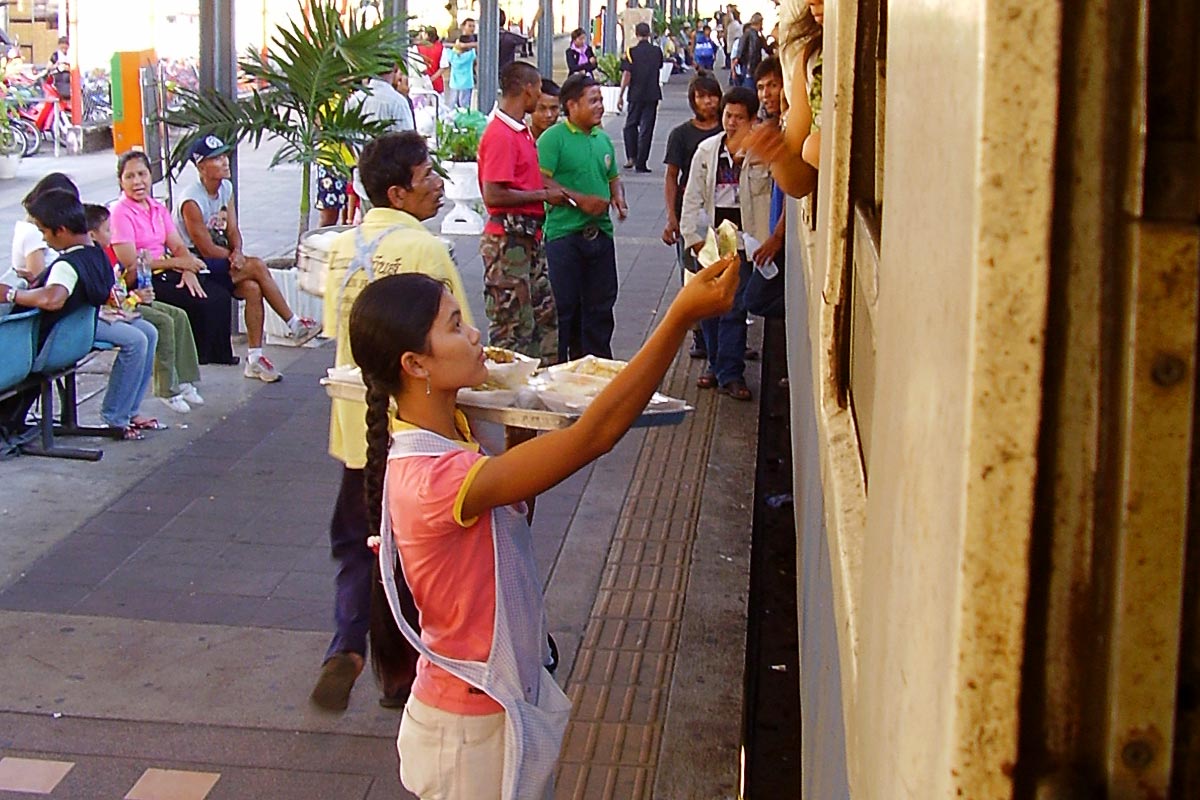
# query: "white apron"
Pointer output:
{"type": "Point", "coordinates": [536, 710]}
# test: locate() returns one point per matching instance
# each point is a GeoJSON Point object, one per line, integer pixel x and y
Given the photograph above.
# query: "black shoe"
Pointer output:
{"type": "Point", "coordinates": [751, 354]}
{"type": "Point", "coordinates": [394, 701]}
{"type": "Point", "coordinates": [627, 165]}
{"type": "Point", "coordinates": [643, 170]}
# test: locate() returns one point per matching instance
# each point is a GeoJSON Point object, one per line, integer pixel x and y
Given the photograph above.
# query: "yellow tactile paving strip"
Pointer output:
{"type": "Point", "coordinates": [32, 775]}
{"type": "Point", "coordinates": [173, 784]}
{"type": "Point", "coordinates": [622, 675]}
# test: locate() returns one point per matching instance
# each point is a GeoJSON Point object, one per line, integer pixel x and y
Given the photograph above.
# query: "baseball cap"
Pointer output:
{"type": "Point", "coordinates": [209, 147]}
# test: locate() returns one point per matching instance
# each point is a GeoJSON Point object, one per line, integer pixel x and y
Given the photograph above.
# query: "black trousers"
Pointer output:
{"type": "Point", "coordinates": [210, 317]}
{"type": "Point", "coordinates": [583, 277]}
{"type": "Point", "coordinates": [639, 131]}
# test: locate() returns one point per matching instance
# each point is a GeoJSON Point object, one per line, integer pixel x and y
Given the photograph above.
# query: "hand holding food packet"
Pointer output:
{"type": "Point", "coordinates": [719, 243]}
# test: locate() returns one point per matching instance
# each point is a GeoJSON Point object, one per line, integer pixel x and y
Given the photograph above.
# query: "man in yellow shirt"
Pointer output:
{"type": "Point", "coordinates": [398, 175]}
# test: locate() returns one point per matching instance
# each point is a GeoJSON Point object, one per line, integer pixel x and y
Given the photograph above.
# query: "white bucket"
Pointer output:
{"type": "Point", "coordinates": [312, 258]}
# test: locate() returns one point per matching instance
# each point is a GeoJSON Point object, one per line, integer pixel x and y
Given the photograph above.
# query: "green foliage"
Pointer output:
{"type": "Point", "coordinates": [459, 140]}
{"type": "Point", "coordinates": [658, 23]}
{"type": "Point", "coordinates": [12, 143]}
{"type": "Point", "coordinates": [609, 67]}
{"type": "Point", "coordinates": [303, 96]}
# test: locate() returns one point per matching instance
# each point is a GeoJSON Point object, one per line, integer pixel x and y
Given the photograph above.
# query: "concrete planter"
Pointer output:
{"type": "Point", "coordinates": [462, 187]}
{"type": "Point", "coordinates": [611, 95]}
{"type": "Point", "coordinates": [8, 167]}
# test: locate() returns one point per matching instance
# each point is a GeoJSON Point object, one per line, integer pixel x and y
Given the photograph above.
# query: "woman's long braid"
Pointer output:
{"type": "Point", "coordinates": [387, 642]}
{"type": "Point", "coordinates": [379, 338]}
{"type": "Point", "coordinates": [378, 432]}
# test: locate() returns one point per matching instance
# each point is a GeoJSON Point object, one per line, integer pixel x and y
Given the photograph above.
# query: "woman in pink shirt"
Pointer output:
{"type": "Point", "coordinates": [484, 719]}
{"type": "Point", "coordinates": [139, 222]}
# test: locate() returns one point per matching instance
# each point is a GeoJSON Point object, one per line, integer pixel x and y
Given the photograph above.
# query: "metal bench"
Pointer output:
{"type": "Point", "coordinates": [67, 346]}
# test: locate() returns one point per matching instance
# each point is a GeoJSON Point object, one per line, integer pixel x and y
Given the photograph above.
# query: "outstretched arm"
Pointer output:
{"type": "Point", "coordinates": [533, 467]}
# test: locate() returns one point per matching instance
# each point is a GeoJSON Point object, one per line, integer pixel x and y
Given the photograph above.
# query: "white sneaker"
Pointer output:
{"type": "Point", "coordinates": [188, 392]}
{"type": "Point", "coordinates": [176, 403]}
{"type": "Point", "coordinates": [304, 330]}
{"type": "Point", "coordinates": [261, 368]}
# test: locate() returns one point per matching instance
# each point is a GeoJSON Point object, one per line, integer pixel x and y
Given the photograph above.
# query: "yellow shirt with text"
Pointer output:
{"type": "Point", "coordinates": [411, 248]}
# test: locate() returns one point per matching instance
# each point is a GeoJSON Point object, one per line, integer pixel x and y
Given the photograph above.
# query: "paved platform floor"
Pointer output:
{"type": "Point", "coordinates": [163, 612]}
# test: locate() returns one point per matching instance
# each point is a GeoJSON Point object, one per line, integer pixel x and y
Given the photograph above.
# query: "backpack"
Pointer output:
{"type": "Point", "coordinates": [704, 50]}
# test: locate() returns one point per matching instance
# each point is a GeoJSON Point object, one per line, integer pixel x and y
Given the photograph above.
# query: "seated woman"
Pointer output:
{"type": "Point", "coordinates": [176, 365]}
{"type": "Point", "coordinates": [139, 222]}
{"type": "Point", "coordinates": [207, 221]}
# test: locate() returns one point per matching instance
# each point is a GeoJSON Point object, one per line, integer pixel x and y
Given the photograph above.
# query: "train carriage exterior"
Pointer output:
{"type": "Point", "coordinates": [992, 351]}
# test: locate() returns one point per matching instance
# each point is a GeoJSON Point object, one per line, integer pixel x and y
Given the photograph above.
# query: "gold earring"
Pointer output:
{"type": "Point", "coordinates": [428, 386]}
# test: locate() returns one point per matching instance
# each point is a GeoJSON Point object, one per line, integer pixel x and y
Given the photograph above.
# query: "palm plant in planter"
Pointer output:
{"type": "Point", "coordinates": [456, 154]}
{"type": "Point", "coordinates": [609, 68]}
{"type": "Point", "coordinates": [303, 97]}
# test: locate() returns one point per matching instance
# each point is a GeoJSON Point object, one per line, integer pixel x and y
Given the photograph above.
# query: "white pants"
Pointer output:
{"type": "Point", "coordinates": [445, 756]}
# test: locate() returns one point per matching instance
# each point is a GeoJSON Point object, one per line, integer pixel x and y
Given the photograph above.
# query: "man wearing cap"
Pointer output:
{"type": "Point", "coordinates": [207, 221]}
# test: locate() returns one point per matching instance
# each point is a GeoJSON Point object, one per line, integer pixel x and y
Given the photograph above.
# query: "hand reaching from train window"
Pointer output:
{"type": "Point", "coordinates": [764, 142]}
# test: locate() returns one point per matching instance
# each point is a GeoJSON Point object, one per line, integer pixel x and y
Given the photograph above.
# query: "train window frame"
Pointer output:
{"type": "Point", "coordinates": [856, 329]}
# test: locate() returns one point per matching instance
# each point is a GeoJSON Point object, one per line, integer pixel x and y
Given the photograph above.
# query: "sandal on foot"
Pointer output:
{"type": "Point", "coordinates": [150, 424]}
{"type": "Point", "coordinates": [738, 390]}
{"type": "Point", "coordinates": [132, 434]}
{"type": "Point", "coordinates": [706, 381]}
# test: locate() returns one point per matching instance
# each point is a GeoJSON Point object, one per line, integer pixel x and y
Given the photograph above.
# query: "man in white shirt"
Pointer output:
{"type": "Point", "coordinates": [382, 102]}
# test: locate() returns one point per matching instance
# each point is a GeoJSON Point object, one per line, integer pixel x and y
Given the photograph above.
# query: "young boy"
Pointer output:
{"type": "Point", "coordinates": [78, 278]}
{"type": "Point", "coordinates": [176, 363]}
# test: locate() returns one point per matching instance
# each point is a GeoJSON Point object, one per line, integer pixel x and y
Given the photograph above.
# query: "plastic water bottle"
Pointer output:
{"type": "Point", "coordinates": [143, 270]}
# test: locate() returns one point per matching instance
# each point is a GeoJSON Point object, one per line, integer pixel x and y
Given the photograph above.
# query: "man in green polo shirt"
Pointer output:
{"type": "Point", "coordinates": [578, 155]}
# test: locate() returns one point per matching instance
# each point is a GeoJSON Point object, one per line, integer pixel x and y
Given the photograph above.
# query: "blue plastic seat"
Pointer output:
{"type": "Point", "coordinates": [18, 337]}
{"type": "Point", "coordinates": [69, 340]}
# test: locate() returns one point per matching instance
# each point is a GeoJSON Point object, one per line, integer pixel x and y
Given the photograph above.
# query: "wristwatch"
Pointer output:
{"type": "Point", "coordinates": [11, 297]}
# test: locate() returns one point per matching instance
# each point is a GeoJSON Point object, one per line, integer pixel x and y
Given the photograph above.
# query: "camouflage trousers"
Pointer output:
{"type": "Point", "coordinates": [517, 296]}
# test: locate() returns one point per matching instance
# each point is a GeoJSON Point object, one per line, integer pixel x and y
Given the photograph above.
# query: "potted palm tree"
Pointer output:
{"type": "Point", "coordinates": [303, 95]}
{"type": "Point", "coordinates": [609, 68]}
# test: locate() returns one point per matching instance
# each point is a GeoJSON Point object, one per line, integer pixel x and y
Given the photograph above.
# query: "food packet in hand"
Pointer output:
{"type": "Point", "coordinates": [718, 244]}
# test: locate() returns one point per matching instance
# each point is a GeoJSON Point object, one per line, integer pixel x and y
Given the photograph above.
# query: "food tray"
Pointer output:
{"type": "Point", "coordinates": [538, 420]}
{"type": "Point", "coordinates": [529, 419]}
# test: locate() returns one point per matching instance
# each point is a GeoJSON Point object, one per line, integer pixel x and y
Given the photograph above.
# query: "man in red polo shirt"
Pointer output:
{"type": "Point", "coordinates": [517, 295]}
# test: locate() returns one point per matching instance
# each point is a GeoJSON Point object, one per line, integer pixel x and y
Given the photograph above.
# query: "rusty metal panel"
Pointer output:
{"type": "Point", "coordinates": [1156, 440]}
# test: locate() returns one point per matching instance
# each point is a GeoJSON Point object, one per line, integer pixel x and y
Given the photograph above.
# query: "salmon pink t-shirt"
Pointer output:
{"type": "Point", "coordinates": [449, 565]}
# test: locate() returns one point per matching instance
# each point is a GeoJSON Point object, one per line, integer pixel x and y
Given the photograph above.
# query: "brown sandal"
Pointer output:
{"type": "Point", "coordinates": [707, 380]}
{"type": "Point", "coordinates": [738, 390]}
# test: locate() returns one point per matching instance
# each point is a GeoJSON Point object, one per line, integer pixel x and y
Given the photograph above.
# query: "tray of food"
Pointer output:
{"type": "Point", "coordinates": [518, 395]}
